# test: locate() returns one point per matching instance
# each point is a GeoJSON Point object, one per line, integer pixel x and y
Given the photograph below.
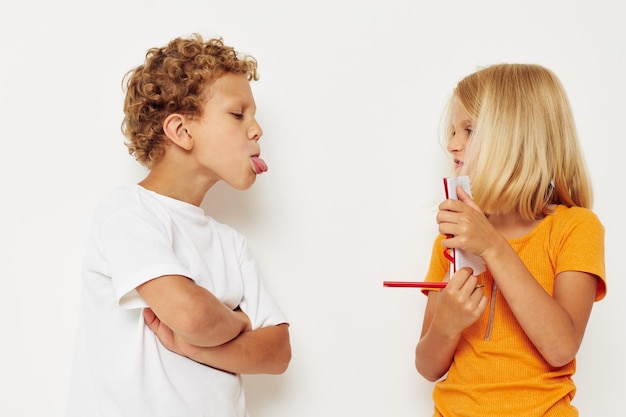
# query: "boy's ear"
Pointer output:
{"type": "Point", "coordinates": [175, 131]}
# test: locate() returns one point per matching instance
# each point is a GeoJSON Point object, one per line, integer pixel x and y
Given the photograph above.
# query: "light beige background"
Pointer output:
{"type": "Point", "coordinates": [350, 97]}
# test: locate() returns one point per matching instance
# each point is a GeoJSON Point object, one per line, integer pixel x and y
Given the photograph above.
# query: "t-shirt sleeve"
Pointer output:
{"type": "Point", "coordinates": [257, 303]}
{"type": "Point", "coordinates": [582, 247]}
{"type": "Point", "coordinates": [439, 265]}
{"type": "Point", "coordinates": [138, 248]}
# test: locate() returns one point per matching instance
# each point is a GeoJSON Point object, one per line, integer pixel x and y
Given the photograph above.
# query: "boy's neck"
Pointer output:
{"type": "Point", "coordinates": [168, 184]}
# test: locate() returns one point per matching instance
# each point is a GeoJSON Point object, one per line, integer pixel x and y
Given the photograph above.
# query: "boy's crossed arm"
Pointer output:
{"type": "Point", "coordinates": [191, 321]}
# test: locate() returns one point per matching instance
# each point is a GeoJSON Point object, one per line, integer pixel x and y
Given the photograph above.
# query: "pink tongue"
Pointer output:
{"type": "Point", "coordinates": [259, 165]}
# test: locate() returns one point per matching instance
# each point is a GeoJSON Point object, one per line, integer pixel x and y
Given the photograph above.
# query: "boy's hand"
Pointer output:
{"type": "Point", "coordinates": [172, 342]}
{"type": "Point", "coordinates": [245, 318]}
{"type": "Point", "coordinates": [165, 335]}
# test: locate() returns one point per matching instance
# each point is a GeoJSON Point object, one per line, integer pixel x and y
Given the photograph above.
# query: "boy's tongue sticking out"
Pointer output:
{"type": "Point", "coordinates": [259, 165]}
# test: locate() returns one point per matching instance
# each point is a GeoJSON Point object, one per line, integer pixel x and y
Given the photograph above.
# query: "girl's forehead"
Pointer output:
{"type": "Point", "coordinates": [458, 112]}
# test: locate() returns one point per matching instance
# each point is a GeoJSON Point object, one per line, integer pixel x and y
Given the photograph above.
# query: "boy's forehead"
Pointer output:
{"type": "Point", "coordinates": [231, 86]}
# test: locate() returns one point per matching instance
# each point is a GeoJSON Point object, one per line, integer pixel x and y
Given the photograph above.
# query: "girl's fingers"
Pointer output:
{"type": "Point", "coordinates": [465, 198]}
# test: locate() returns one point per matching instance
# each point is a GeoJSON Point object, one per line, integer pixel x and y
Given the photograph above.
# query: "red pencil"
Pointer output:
{"type": "Point", "coordinates": [415, 284]}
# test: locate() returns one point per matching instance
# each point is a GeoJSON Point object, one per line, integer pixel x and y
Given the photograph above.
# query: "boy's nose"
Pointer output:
{"type": "Point", "coordinates": [256, 131]}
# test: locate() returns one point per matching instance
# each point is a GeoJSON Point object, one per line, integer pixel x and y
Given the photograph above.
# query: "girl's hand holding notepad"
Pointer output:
{"type": "Point", "coordinates": [459, 258]}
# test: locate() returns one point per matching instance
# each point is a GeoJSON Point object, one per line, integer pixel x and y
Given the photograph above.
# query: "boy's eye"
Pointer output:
{"type": "Point", "coordinates": [238, 115]}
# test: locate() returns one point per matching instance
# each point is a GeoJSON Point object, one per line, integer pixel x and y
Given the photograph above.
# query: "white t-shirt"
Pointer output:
{"type": "Point", "coordinates": [120, 367]}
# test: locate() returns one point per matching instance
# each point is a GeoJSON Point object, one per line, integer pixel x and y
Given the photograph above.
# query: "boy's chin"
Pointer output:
{"type": "Point", "coordinates": [242, 185]}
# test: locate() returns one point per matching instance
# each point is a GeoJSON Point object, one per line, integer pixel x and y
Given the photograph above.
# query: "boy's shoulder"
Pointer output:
{"type": "Point", "coordinates": [117, 198]}
{"type": "Point", "coordinates": [135, 199]}
{"type": "Point", "coordinates": [119, 193]}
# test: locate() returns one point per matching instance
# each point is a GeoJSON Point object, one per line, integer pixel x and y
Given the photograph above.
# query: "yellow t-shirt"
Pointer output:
{"type": "Point", "coordinates": [496, 370]}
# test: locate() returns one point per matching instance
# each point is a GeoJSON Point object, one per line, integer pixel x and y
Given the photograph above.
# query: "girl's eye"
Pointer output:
{"type": "Point", "coordinates": [238, 116]}
{"type": "Point", "coordinates": [469, 131]}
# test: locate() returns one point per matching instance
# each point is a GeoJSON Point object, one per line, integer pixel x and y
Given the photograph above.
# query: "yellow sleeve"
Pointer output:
{"type": "Point", "coordinates": [582, 247]}
{"type": "Point", "coordinates": [439, 265]}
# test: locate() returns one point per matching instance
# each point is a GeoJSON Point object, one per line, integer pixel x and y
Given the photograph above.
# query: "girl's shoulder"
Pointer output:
{"type": "Point", "coordinates": [572, 217]}
{"type": "Point", "coordinates": [562, 212]}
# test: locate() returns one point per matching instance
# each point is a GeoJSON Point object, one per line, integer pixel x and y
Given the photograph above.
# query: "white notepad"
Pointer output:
{"type": "Point", "coordinates": [461, 257]}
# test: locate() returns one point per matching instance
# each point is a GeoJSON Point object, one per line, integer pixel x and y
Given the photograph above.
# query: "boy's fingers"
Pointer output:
{"type": "Point", "coordinates": [148, 316]}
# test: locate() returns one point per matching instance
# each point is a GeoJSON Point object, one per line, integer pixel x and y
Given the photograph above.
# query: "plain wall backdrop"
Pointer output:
{"type": "Point", "coordinates": [350, 99]}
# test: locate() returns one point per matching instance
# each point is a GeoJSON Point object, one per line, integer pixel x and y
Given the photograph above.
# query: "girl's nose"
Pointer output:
{"type": "Point", "coordinates": [455, 144]}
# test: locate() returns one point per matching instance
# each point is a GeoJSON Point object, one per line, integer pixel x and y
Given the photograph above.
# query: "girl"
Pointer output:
{"type": "Point", "coordinates": [509, 348]}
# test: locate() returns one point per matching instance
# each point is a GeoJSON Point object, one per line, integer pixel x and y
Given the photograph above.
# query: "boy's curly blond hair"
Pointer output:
{"type": "Point", "coordinates": [174, 79]}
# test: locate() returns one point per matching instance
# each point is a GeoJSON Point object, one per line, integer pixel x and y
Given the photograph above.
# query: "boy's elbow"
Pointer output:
{"type": "Point", "coordinates": [282, 358]}
{"type": "Point", "coordinates": [282, 362]}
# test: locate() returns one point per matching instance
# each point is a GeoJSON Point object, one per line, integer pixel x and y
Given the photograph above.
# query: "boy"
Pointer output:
{"type": "Point", "coordinates": [173, 309]}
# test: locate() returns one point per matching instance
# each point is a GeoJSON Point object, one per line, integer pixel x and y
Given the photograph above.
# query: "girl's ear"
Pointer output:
{"type": "Point", "coordinates": [175, 131]}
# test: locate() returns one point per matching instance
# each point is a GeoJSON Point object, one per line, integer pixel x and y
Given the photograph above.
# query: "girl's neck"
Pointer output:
{"type": "Point", "coordinates": [511, 225]}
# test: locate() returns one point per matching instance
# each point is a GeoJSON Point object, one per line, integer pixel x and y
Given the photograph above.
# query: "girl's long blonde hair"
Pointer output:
{"type": "Point", "coordinates": [524, 153]}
